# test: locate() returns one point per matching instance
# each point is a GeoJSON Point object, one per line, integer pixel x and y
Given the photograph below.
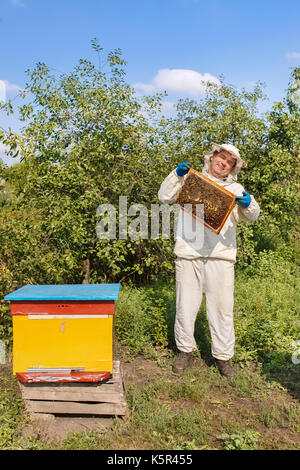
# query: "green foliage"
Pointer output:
{"type": "Point", "coordinates": [266, 315]}
{"type": "Point", "coordinates": [241, 440]}
{"type": "Point", "coordinates": [10, 411]}
{"type": "Point", "coordinates": [266, 312]}
{"type": "Point", "coordinates": [85, 142]}
{"type": "Point", "coordinates": [268, 143]}
{"type": "Point", "coordinates": [168, 427]}
{"type": "Point", "coordinates": [88, 139]}
{"type": "Point", "coordinates": [141, 319]}
{"type": "Point", "coordinates": [7, 284]}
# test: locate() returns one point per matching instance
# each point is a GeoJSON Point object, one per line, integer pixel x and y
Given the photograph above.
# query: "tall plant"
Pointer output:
{"type": "Point", "coordinates": [86, 141]}
{"type": "Point", "coordinates": [269, 143]}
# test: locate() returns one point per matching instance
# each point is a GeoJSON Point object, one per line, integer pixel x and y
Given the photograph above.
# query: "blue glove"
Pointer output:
{"type": "Point", "coordinates": [183, 168]}
{"type": "Point", "coordinates": [245, 200]}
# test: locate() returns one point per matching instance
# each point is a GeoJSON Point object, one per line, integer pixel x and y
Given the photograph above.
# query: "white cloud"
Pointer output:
{"type": "Point", "coordinates": [3, 148]}
{"type": "Point", "coordinates": [179, 81]}
{"type": "Point", "coordinates": [2, 91]}
{"type": "Point", "coordinates": [8, 160]}
{"type": "Point", "coordinates": [6, 88]}
{"type": "Point", "coordinates": [250, 83]}
{"type": "Point", "coordinates": [146, 88]}
{"type": "Point", "coordinates": [293, 55]}
{"type": "Point", "coordinates": [168, 106]}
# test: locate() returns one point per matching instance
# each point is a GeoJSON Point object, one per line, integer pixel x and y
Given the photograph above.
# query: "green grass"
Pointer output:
{"type": "Point", "coordinates": [266, 315]}
{"type": "Point", "coordinates": [197, 410]}
{"type": "Point", "coordinates": [257, 409]}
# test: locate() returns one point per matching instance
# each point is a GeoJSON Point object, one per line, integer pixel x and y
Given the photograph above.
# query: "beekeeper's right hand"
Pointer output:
{"type": "Point", "coordinates": [183, 168]}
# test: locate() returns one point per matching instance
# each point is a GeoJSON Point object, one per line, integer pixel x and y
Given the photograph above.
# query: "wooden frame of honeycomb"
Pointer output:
{"type": "Point", "coordinates": [218, 202]}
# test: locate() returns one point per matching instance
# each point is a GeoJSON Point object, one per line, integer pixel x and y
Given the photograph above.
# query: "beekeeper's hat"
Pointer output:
{"type": "Point", "coordinates": [240, 163]}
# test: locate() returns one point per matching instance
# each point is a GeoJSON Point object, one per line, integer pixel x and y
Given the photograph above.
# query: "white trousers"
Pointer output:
{"type": "Point", "coordinates": [215, 278]}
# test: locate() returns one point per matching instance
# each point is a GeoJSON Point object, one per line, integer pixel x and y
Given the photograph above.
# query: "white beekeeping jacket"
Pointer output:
{"type": "Point", "coordinates": [207, 244]}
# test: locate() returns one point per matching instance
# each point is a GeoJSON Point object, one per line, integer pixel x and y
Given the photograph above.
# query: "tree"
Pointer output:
{"type": "Point", "coordinates": [84, 143]}
{"type": "Point", "coordinates": [269, 144]}
{"type": "Point", "coordinates": [88, 139]}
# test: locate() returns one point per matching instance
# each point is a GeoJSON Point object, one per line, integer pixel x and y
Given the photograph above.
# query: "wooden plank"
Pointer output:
{"type": "Point", "coordinates": [113, 380]}
{"type": "Point", "coordinates": [71, 395]}
{"type": "Point", "coordinates": [116, 374]}
{"type": "Point", "coordinates": [76, 398]}
{"type": "Point", "coordinates": [76, 408]}
{"type": "Point", "coordinates": [26, 389]}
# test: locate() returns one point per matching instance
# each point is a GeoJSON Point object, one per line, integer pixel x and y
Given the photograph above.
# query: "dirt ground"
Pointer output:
{"type": "Point", "coordinates": [139, 372]}
{"type": "Point", "coordinates": [50, 427]}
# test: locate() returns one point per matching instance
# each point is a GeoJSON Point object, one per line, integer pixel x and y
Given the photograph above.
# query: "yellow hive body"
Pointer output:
{"type": "Point", "coordinates": [62, 342]}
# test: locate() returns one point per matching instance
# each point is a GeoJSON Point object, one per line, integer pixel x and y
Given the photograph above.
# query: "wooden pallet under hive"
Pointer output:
{"type": "Point", "coordinates": [106, 398]}
{"type": "Point", "coordinates": [217, 201]}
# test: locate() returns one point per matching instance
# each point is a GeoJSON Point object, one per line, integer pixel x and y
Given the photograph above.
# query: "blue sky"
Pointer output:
{"type": "Point", "coordinates": [168, 44]}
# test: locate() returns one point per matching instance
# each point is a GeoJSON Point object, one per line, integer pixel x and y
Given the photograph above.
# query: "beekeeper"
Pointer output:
{"type": "Point", "coordinates": [205, 263]}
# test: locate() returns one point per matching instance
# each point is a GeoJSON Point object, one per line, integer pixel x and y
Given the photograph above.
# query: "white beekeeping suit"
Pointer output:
{"type": "Point", "coordinates": [207, 265]}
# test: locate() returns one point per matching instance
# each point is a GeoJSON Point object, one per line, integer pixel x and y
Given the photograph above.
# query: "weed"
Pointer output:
{"type": "Point", "coordinates": [247, 383]}
{"type": "Point", "coordinates": [189, 388]}
{"type": "Point", "coordinates": [87, 440]}
{"type": "Point", "coordinates": [11, 408]}
{"type": "Point", "coordinates": [292, 411]}
{"type": "Point", "coordinates": [241, 440]}
{"type": "Point", "coordinates": [270, 418]}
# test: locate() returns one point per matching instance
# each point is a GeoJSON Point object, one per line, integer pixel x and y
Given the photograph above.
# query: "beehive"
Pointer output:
{"type": "Point", "coordinates": [63, 333]}
{"type": "Point", "coordinates": [218, 202]}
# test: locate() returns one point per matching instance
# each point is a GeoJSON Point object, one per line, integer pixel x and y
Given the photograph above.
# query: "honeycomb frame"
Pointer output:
{"type": "Point", "coordinates": [218, 202]}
